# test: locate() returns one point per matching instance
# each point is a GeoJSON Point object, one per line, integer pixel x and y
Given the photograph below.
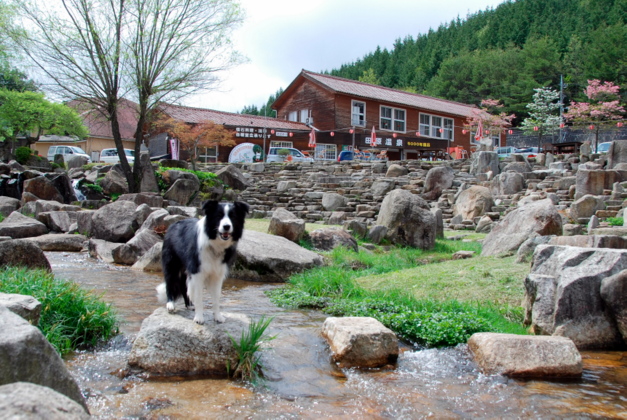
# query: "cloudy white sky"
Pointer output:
{"type": "Point", "coordinates": [282, 37]}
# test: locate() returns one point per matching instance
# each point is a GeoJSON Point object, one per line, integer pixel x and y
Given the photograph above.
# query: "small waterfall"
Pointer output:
{"type": "Point", "coordinates": [79, 194]}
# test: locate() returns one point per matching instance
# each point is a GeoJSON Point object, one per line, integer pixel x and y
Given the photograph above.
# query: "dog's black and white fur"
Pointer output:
{"type": "Point", "coordinates": [198, 253]}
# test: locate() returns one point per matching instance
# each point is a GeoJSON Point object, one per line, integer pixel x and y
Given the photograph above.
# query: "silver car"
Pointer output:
{"type": "Point", "coordinates": [293, 155]}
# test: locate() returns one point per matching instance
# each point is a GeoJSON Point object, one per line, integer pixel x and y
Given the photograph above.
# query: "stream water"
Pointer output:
{"type": "Point", "coordinates": [300, 381]}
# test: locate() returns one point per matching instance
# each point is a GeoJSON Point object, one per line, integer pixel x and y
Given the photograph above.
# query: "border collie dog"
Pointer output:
{"type": "Point", "coordinates": [198, 253]}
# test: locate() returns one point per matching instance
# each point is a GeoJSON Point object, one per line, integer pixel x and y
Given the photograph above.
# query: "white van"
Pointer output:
{"type": "Point", "coordinates": [295, 155]}
{"type": "Point", "coordinates": [66, 151]}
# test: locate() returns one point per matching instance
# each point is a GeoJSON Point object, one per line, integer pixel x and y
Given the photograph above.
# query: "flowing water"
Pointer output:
{"type": "Point", "coordinates": [300, 381]}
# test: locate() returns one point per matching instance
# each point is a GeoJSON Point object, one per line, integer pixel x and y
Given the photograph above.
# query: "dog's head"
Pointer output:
{"type": "Point", "coordinates": [225, 220]}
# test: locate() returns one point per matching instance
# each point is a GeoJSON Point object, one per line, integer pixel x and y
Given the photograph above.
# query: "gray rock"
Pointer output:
{"type": "Point", "coordinates": [537, 218]}
{"type": "Point", "coordinates": [570, 229]}
{"type": "Point", "coordinates": [525, 355]}
{"type": "Point", "coordinates": [285, 223]}
{"type": "Point", "coordinates": [27, 356]}
{"type": "Point", "coordinates": [283, 186]}
{"type": "Point", "coordinates": [130, 252]}
{"type": "Point", "coordinates": [381, 187]}
{"type": "Point", "coordinates": [114, 183]}
{"type": "Point", "coordinates": [149, 179]}
{"type": "Point", "coordinates": [593, 182]}
{"type": "Point", "coordinates": [58, 221]}
{"type": "Point", "coordinates": [408, 220]}
{"type": "Point", "coordinates": [356, 228]}
{"type": "Point", "coordinates": [438, 179]}
{"type": "Point", "coordinates": [439, 223]}
{"type": "Point", "coordinates": [8, 205]}
{"type": "Point", "coordinates": [184, 211]}
{"type": "Point", "coordinates": [519, 167]}
{"type": "Point", "coordinates": [25, 306]}
{"type": "Point", "coordinates": [326, 239]}
{"type": "Point", "coordinates": [270, 258]}
{"type": "Point", "coordinates": [586, 206]}
{"type": "Point", "coordinates": [42, 188]}
{"type": "Point", "coordinates": [396, 170]}
{"type": "Point", "coordinates": [484, 162]}
{"type": "Point", "coordinates": [360, 342]}
{"type": "Point", "coordinates": [526, 250]}
{"type": "Point", "coordinates": [20, 252]}
{"type": "Point", "coordinates": [563, 298]}
{"type": "Point", "coordinates": [173, 344]}
{"type": "Point", "coordinates": [102, 249]}
{"type": "Point", "coordinates": [617, 154]}
{"type": "Point", "coordinates": [116, 222]}
{"type": "Point", "coordinates": [63, 242]}
{"type": "Point", "coordinates": [151, 260]}
{"type": "Point", "coordinates": [485, 225]}
{"type": "Point", "coordinates": [333, 201]}
{"type": "Point", "coordinates": [151, 199]}
{"type": "Point", "coordinates": [233, 177]}
{"type": "Point", "coordinates": [614, 294]}
{"type": "Point", "coordinates": [377, 234]}
{"type": "Point", "coordinates": [17, 226]}
{"type": "Point", "coordinates": [26, 401]}
{"type": "Point", "coordinates": [508, 183]}
{"type": "Point", "coordinates": [473, 202]}
{"type": "Point", "coordinates": [182, 191]}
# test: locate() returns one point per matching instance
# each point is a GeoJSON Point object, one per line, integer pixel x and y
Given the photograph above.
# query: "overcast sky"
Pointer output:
{"type": "Point", "coordinates": [282, 37]}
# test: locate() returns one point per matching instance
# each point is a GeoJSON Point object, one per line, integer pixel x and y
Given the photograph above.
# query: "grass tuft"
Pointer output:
{"type": "Point", "coordinates": [71, 318]}
{"type": "Point", "coordinates": [248, 364]}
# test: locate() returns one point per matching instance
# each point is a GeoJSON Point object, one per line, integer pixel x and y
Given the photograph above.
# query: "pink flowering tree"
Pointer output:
{"type": "Point", "coordinates": [602, 112]}
{"type": "Point", "coordinates": [489, 119]}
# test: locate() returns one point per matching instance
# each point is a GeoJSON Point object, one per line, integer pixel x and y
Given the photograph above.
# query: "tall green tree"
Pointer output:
{"type": "Point", "coordinates": [543, 114]}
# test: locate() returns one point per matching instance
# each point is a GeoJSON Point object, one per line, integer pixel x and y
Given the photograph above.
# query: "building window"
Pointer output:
{"type": "Point", "coordinates": [304, 115]}
{"type": "Point", "coordinates": [325, 152]}
{"type": "Point", "coordinates": [358, 114]}
{"type": "Point", "coordinates": [392, 119]}
{"type": "Point", "coordinates": [208, 154]}
{"type": "Point", "coordinates": [283, 144]}
{"type": "Point", "coordinates": [434, 126]}
{"type": "Point", "coordinates": [293, 116]}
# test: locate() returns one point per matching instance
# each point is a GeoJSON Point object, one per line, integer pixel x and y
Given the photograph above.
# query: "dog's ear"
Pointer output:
{"type": "Point", "coordinates": [209, 207]}
{"type": "Point", "coordinates": [242, 207]}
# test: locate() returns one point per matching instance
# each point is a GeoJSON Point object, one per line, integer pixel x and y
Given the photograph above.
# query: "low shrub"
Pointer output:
{"type": "Point", "coordinates": [71, 318]}
{"type": "Point", "coordinates": [615, 221]}
{"type": "Point", "coordinates": [22, 154]}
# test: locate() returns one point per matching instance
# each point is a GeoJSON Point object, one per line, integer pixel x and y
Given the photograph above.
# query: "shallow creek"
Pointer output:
{"type": "Point", "coordinates": [300, 382]}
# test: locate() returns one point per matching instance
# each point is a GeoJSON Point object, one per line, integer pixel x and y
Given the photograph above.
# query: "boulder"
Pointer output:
{"type": "Point", "coordinates": [102, 249]}
{"type": "Point", "coordinates": [8, 205]}
{"type": "Point", "coordinates": [526, 250]}
{"type": "Point", "coordinates": [25, 306]}
{"type": "Point", "coordinates": [130, 252]}
{"type": "Point", "coordinates": [151, 199]}
{"type": "Point", "coordinates": [233, 177]}
{"type": "Point", "coordinates": [484, 225]}
{"type": "Point", "coordinates": [360, 342]}
{"type": "Point", "coordinates": [537, 218]}
{"type": "Point", "coordinates": [58, 221]}
{"type": "Point", "coordinates": [333, 201]}
{"type": "Point", "coordinates": [182, 190]}
{"type": "Point", "coordinates": [116, 222]}
{"type": "Point", "coordinates": [508, 183]}
{"type": "Point", "coordinates": [149, 182]}
{"type": "Point", "coordinates": [439, 223]}
{"type": "Point", "coordinates": [586, 206]}
{"type": "Point", "coordinates": [326, 239]}
{"type": "Point", "coordinates": [519, 167]}
{"type": "Point", "coordinates": [283, 186]}
{"type": "Point", "coordinates": [617, 154]}
{"type": "Point", "coordinates": [594, 181]}
{"type": "Point", "coordinates": [284, 223]}
{"type": "Point", "coordinates": [17, 226]}
{"type": "Point", "coordinates": [42, 188]}
{"type": "Point", "coordinates": [270, 258]}
{"type": "Point", "coordinates": [185, 211]}
{"type": "Point", "coordinates": [173, 344]}
{"type": "Point", "coordinates": [114, 183]}
{"type": "Point", "coordinates": [63, 184]}
{"type": "Point", "coordinates": [151, 260]}
{"type": "Point", "coordinates": [63, 242]}
{"type": "Point", "coordinates": [381, 187]}
{"type": "Point", "coordinates": [614, 294]}
{"type": "Point", "coordinates": [395, 170]}
{"type": "Point", "coordinates": [438, 179]}
{"type": "Point", "coordinates": [563, 294]}
{"type": "Point", "coordinates": [356, 228]}
{"type": "Point", "coordinates": [377, 233]}
{"type": "Point", "coordinates": [473, 202]}
{"type": "Point", "coordinates": [408, 220]}
{"type": "Point", "coordinates": [525, 355]}
{"type": "Point", "coordinates": [23, 400]}
{"type": "Point", "coordinates": [26, 356]}
{"type": "Point", "coordinates": [20, 252]}
{"type": "Point", "coordinates": [484, 162]}
{"type": "Point", "coordinates": [591, 241]}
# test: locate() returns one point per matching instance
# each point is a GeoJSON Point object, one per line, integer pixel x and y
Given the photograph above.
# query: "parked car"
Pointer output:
{"type": "Point", "coordinates": [529, 151]}
{"type": "Point", "coordinates": [292, 155]}
{"type": "Point", "coordinates": [111, 155]}
{"type": "Point", "coordinates": [66, 151]}
{"type": "Point", "coordinates": [604, 147]}
{"type": "Point", "coordinates": [505, 151]}
{"type": "Point", "coordinates": [346, 155]}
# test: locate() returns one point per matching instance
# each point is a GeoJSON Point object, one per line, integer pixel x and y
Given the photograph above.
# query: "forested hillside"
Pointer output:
{"type": "Point", "coordinates": [507, 52]}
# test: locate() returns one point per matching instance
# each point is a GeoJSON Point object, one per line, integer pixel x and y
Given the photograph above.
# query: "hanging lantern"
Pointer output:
{"type": "Point", "coordinates": [394, 135]}
{"type": "Point", "coordinates": [619, 124]}
{"type": "Point", "coordinates": [351, 131]}
{"type": "Point", "coordinates": [441, 130]}
{"type": "Point", "coordinates": [291, 134]}
{"type": "Point", "coordinates": [271, 131]}
{"type": "Point", "coordinates": [417, 133]}
{"type": "Point", "coordinates": [591, 127]}
{"type": "Point", "coordinates": [332, 133]}
{"type": "Point", "coordinates": [487, 131]}
{"type": "Point", "coordinates": [561, 125]}
{"type": "Point", "coordinates": [464, 131]}
{"type": "Point", "coordinates": [536, 128]}
{"type": "Point", "coordinates": [510, 132]}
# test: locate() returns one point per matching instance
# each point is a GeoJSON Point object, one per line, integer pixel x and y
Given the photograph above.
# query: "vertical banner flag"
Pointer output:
{"type": "Point", "coordinates": [479, 133]}
{"type": "Point", "coordinates": [312, 139]}
{"type": "Point", "coordinates": [373, 138]}
{"type": "Point", "coordinates": [174, 147]}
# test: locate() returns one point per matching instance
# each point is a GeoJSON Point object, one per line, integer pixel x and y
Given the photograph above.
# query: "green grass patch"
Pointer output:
{"type": "Point", "coordinates": [615, 221]}
{"type": "Point", "coordinates": [71, 318]}
{"type": "Point", "coordinates": [248, 363]}
{"type": "Point", "coordinates": [423, 296]}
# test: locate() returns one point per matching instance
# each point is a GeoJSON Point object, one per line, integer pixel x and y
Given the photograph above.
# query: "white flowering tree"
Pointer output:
{"type": "Point", "coordinates": [543, 114]}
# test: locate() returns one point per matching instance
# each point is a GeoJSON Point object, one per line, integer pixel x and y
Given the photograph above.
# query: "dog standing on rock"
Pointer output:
{"type": "Point", "coordinates": [198, 253]}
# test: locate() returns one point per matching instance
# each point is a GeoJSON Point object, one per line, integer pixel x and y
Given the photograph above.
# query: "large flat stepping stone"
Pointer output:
{"type": "Point", "coordinates": [526, 355]}
{"type": "Point", "coordinates": [360, 342]}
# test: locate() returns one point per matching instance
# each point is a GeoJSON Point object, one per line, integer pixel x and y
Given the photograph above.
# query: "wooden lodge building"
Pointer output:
{"type": "Point", "coordinates": [342, 113]}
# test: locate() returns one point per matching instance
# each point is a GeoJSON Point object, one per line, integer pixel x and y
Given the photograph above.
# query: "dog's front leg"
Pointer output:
{"type": "Point", "coordinates": [215, 290]}
{"type": "Point", "coordinates": [194, 291]}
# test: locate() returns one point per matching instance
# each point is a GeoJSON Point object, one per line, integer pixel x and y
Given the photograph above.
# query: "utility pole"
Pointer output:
{"type": "Point", "coordinates": [561, 105]}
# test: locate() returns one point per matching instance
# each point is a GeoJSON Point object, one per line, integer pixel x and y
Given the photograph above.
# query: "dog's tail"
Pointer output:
{"type": "Point", "coordinates": [162, 297]}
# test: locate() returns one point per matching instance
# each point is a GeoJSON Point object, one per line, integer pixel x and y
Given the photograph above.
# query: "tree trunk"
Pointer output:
{"type": "Point", "coordinates": [117, 138]}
